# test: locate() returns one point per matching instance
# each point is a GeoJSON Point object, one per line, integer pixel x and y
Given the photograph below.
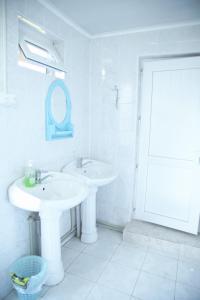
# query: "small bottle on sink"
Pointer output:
{"type": "Point", "coordinates": [29, 176]}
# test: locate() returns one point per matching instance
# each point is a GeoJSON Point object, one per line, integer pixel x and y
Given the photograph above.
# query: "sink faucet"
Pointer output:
{"type": "Point", "coordinates": [38, 176]}
{"type": "Point", "coordinates": [80, 163]}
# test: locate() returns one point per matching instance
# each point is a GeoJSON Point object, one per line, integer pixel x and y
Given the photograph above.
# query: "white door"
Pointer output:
{"type": "Point", "coordinates": [168, 178]}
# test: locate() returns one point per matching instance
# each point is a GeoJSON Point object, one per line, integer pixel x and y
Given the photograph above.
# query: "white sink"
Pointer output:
{"type": "Point", "coordinates": [50, 198]}
{"type": "Point", "coordinates": [95, 174]}
{"type": "Point", "coordinates": [58, 192]}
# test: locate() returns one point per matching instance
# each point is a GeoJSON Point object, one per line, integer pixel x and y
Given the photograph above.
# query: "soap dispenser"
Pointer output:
{"type": "Point", "coordinates": [29, 176]}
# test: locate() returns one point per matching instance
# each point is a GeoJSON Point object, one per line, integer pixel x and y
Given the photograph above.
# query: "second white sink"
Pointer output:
{"type": "Point", "coordinates": [96, 174]}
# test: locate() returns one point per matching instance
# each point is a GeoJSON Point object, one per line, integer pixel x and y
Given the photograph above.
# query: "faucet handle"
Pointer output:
{"type": "Point", "coordinates": [37, 175]}
{"type": "Point", "coordinates": [39, 172]}
{"type": "Point", "coordinates": [79, 162]}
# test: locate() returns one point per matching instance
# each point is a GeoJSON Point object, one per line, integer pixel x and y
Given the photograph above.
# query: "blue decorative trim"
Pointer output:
{"type": "Point", "coordinates": [55, 130]}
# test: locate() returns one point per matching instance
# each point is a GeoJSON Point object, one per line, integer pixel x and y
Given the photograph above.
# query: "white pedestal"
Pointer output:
{"type": "Point", "coordinates": [51, 246]}
{"type": "Point", "coordinates": [88, 215]}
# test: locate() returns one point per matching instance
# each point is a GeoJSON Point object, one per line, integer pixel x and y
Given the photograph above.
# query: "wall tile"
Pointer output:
{"type": "Point", "coordinates": [114, 132]}
{"type": "Point", "coordinates": [23, 126]}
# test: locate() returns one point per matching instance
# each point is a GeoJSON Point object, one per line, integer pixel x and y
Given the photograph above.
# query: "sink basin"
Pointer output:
{"type": "Point", "coordinates": [93, 172]}
{"type": "Point", "coordinates": [60, 191]}
{"type": "Point", "coordinates": [55, 194]}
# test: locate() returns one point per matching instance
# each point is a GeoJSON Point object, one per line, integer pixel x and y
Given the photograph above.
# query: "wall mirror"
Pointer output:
{"type": "Point", "coordinates": [58, 111]}
{"type": "Point", "coordinates": [58, 105]}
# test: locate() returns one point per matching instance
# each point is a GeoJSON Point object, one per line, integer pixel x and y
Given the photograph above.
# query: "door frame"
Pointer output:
{"type": "Point", "coordinates": [140, 62]}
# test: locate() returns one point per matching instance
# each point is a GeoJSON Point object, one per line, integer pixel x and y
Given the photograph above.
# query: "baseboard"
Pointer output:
{"type": "Point", "coordinates": [68, 236]}
{"type": "Point", "coordinates": [110, 226]}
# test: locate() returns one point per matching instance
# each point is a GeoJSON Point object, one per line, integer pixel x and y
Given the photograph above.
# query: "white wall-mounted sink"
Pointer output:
{"type": "Point", "coordinates": [95, 174]}
{"type": "Point", "coordinates": [50, 198]}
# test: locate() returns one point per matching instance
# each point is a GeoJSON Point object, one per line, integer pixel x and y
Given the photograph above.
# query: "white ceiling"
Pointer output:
{"type": "Point", "coordinates": [102, 16]}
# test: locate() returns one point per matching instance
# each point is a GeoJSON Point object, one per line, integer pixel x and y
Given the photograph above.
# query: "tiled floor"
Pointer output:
{"type": "Point", "coordinates": [112, 269]}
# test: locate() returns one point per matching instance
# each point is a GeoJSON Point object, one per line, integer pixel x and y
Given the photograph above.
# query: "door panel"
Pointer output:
{"type": "Point", "coordinates": [167, 185]}
{"type": "Point", "coordinates": [174, 127]}
{"type": "Point", "coordinates": [173, 192]}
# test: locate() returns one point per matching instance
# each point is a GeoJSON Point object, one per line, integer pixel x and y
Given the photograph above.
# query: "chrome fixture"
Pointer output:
{"type": "Point", "coordinates": [80, 163]}
{"type": "Point", "coordinates": [38, 176]}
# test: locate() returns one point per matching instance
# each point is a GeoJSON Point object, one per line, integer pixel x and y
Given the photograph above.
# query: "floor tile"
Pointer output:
{"type": "Point", "coordinates": [129, 256]}
{"type": "Point", "coordinates": [68, 256]}
{"type": "Point", "coordinates": [185, 292]}
{"type": "Point", "coordinates": [188, 273]}
{"type": "Point", "coordinates": [160, 265]}
{"type": "Point", "coordinates": [11, 296]}
{"type": "Point", "coordinates": [131, 245]}
{"type": "Point", "coordinates": [136, 239]}
{"type": "Point", "coordinates": [111, 235]}
{"type": "Point", "coordinates": [102, 248]}
{"type": "Point", "coordinates": [72, 287]}
{"type": "Point", "coordinates": [151, 287]}
{"type": "Point", "coordinates": [88, 267]}
{"type": "Point", "coordinates": [119, 277]}
{"type": "Point", "coordinates": [114, 269]}
{"type": "Point", "coordinates": [165, 248]}
{"type": "Point", "coordinates": [76, 244]}
{"type": "Point", "coordinates": [190, 254]}
{"type": "Point", "coordinates": [104, 293]}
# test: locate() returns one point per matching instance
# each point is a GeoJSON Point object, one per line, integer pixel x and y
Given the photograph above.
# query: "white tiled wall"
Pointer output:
{"type": "Point", "coordinates": [114, 131]}
{"type": "Point", "coordinates": [22, 132]}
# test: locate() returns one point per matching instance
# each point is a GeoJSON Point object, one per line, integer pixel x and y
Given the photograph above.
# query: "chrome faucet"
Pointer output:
{"type": "Point", "coordinates": [80, 163]}
{"type": "Point", "coordinates": [38, 176]}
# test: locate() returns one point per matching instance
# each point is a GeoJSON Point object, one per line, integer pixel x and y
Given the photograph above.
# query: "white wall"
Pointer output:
{"type": "Point", "coordinates": [114, 131]}
{"type": "Point", "coordinates": [22, 132]}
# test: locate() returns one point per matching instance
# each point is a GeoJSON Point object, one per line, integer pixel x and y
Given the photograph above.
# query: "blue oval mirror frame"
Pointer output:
{"type": "Point", "coordinates": [55, 130]}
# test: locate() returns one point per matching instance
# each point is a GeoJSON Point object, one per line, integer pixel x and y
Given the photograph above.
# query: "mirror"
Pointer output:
{"type": "Point", "coordinates": [58, 105]}
{"type": "Point", "coordinates": [58, 111]}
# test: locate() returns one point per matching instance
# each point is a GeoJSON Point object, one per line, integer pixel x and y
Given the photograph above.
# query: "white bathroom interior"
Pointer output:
{"type": "Point", "coordinates": [100, 149]}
